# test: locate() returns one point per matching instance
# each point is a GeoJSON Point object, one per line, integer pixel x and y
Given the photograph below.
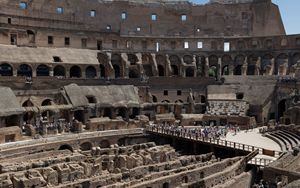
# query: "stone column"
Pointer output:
{"type": "Point", "coordinates": [219, 68]}
{"type": "Point", "coordinates": [206, 67]}
{"type": "Point", "coordinates": [245, 66]}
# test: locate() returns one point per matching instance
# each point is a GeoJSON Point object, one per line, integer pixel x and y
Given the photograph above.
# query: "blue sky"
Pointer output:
{"type": "Point", "coordinates": [289, 11]}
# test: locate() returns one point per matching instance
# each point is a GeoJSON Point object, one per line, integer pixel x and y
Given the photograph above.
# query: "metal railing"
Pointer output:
{"type": "Point", "coordinates": [219, 142]}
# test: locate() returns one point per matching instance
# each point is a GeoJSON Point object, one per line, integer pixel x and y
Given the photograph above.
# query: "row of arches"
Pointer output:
{"type": "Point", "coordinates": [44, 70]}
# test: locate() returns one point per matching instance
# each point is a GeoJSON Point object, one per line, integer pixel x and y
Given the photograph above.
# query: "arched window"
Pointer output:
{"type": "Point", "coordinates": [75, 72]}
{"type": "Point", "coordinates": [24, 70]}
{"type": "Point", "coordinates": [6, 70]}
{"type": "Point", "coordinates": [134, 73]}
{"type": "Point", "coordinates": [59, 71]}
{"type": "Point", "coordinates": [175, 70]}
{"type": "Point", "coordinates": [42, 70]}
{"type": "Point", "coordinates": [90, 72]}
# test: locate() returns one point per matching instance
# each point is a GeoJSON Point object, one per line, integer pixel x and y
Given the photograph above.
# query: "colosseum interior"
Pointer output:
{"type": "Point", "coordinates": [148, 94]}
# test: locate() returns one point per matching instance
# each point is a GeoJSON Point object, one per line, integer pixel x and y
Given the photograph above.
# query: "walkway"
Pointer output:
{"type": "Point", "coordinates": [264, 157]}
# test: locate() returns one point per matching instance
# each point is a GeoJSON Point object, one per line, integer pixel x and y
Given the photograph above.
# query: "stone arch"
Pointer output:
{"type": "Point", "coordinates": [104, 144]}
{"type": "Point", "coordinates": [161, 65]}
{"type": "Point", "coordinates": [251, 68]}
{"type": "Point", "coordinates": [117, 70]}
{"type": "Point", "coordinates": [134, 73]}
{"type": "Point", "coordinates": [27, 103]}
{"type": "Point", "coordinates": [226, 59]}
{"type": "Point", "coordinates": [135, 112]}
{"type": "Point", "coordinates": [47, 102]}
{"type": "Point", "coordinates": [75, 72]}
{"type": "Point", "coordinates": [6, 69]}
{"type": "Point", "coordinates": [122, 112]}
{"type": "Point", "coordinates": [165, 101]}
{"type": "Point", "coordinates": [189, 72]}
{"type": "Point", "coordinates": [66, 147]}
{"type": "Point", "coordinates": [166, 185]}
{"type": "Point", "coordinates": [280, 60]}
{"type": "Point", "coordinates": [132, 58]}
{"type": "Point", "coordinates": [179, 101]}
{"type": "Point", "coordinates": [107, 112]}
{"type": "Point", "coordinates": [266, 64]}
{"type": "Point", "coordinates": [42, 70]}
{"type": "Point", "coordinates": [238, 64]}
{"type": "Point", "coordinates": [24, 70]}
{"type": "Point", "coordinates": [59, 71]}
{"type": "Point", "coordinates": [188, 59]}
{"type": "Point", "coordinates": [161, 70]}
{"type": "Point", "coordinates": [154, 98]}
{"type": "Point", "coordinates": [118, 66]}
{"type": "Point", "coordinates": [147, 62]}
{"type": "Point", "coordinates": [175, 65]}
{"type": "Point", "coordinates": [102, 71]}
{"type": "Point", "coordinates": [86, 146]}
{"type": "Point", "coordinates": [90, 72]}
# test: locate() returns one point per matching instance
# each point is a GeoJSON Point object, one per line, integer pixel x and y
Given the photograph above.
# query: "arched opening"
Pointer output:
{"type": "Point", "coordinates": [188, 59]}
{"type": "Point", "coordinates": [185, 179]}
{"type": "Point", "coordinates": [28, 116]}
{"type": "Point", "coordinates": [281, 108]}
{"type": "Point", "coordinates": [154, 98]}
{"type": "Point", "coordinates": [166, 185]}
{"type": "Point", "coordinates": [225, 70]}
{"type": "Point", "coordinates": [134, 73]}
{"type": "Point", "coordinates": [42, 70]}
{"type": "Point", "coordinates": [66, 147]}
{"type": "Point", "coordinates": [104, 144]}
{"type": "Point", "coordinates": [117, 71]}
{"type": "Point", "coordinates": [75, 72]}
{"type": "Point", "coordinates": [6, 70]}
{"type": "Point", "coordinates": [122, 112]}
{"type": "Point", "coordinates": [189, 72]}
{"type": "Point", "coordinates": [86, 146]}
{"type": "Point", "coordinates": [24, 70]}
{"type": "Point", "coordinates": [280, 61]}
{"type": "Point", "coordinates": [132, 59]}
{"type": "Point", "coordinates": [102, 71]}
{"type": "Point", "coordinates": [238, 64]}
{"type": "Point", "coordinates": [79, 115]}
{"type": "Point", "coordinates": [175, 71]}
{"type": "Point", "coordinates": [237, 70]}
{"type": "Point", "coordinates": [90, 72]}
{"type": "Point", "coordinates": [135, 112]}
{"type": "Point", "coordinates": [212, 72]}
{"type": "Point", "coordinates": [240, 96]}
{"type": "Point", "coordinates": [107, 112]}
{"type": "Point", "coordinates": [266, 65]}
{"type": "Point", "coordinates": [116, 61]}
{"type": "Point", "coordinates": [31, 36]}
{"type": "Point", "coordinates": [203, 99]}
{"type": "Point", "coordinates": [161, 70]}
{"type": "Point", "coordinates": [59, 71]}
{"type": "Point", "coordinates": [47, 102]}
{"type": "Point", "coordinates": [251, 69]}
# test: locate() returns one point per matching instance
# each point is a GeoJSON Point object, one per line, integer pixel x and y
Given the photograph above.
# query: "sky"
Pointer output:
{"type": "Point", "coordinates": [289, 12]}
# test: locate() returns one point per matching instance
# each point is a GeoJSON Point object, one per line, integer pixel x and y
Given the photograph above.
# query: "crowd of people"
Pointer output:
{"type": "Point", "coordinates": [205, 132]}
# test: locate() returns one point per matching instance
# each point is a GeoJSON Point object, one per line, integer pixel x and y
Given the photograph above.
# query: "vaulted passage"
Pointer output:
{"type": "Point", "coordinates": [42, 70]}
{"type": "Point", "coordinates": [59, 71]}
{"type": "Point", "coordinates": [24, 70]}
{"type": "Point", "coordinates": [6, 70]}
{"type": "Point", "coordinates": [75, 72]}
{"type": "Point", "coordinates": [90, 72]}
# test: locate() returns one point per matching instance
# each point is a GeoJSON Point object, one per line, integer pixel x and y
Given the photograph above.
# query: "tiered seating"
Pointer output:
{"type": "Point", "coordinates": [285, 139]}
{"type": "Point", "coordinates": [232, 107]}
